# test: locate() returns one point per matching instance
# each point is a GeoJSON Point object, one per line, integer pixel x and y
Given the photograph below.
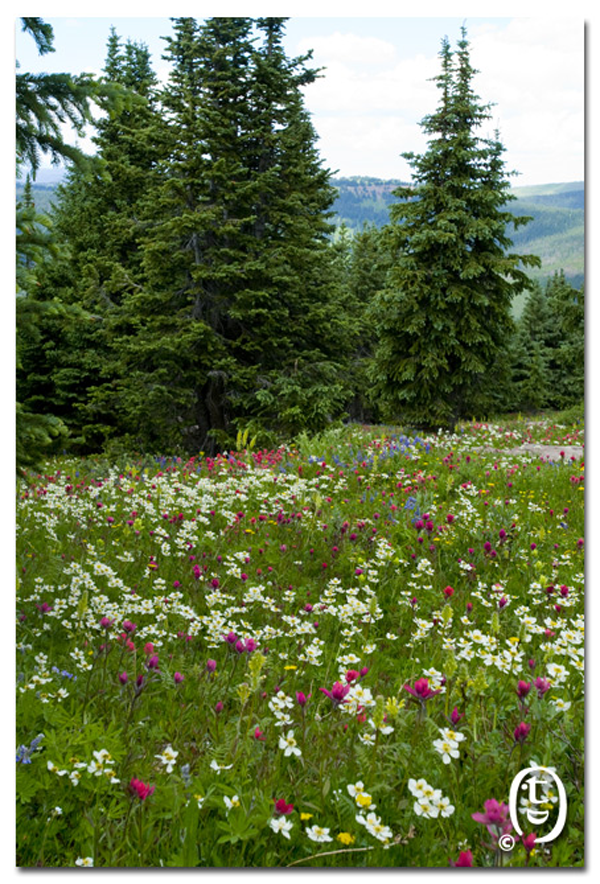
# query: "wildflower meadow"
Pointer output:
{"type": "Point", "coordinates": [336, 653]}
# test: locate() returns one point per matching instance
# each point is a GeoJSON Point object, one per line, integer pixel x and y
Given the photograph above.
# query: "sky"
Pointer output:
{"type": "Point", "coordinates": [376, 83]}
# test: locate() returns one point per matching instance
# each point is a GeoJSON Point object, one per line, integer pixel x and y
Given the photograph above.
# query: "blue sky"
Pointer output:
{"type": "Point", "coordinates": [376, 85]}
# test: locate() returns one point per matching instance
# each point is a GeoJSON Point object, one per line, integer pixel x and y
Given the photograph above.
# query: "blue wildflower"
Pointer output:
{"type": "Point", "coordinates": [24, 754]}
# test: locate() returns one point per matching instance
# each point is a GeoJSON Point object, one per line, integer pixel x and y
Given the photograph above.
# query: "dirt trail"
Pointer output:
{"type": "Point", "coordinates": [547, 452]}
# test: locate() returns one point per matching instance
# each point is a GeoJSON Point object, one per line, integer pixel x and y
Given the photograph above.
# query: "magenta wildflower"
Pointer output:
{"type": "Point", "coordinates": [282, 808]}
{"type": "Point", "coordinates": [521, 732]}
{"type": "Point", "coordinates": [142, 790]}
{"type": "Point", "coordinates": [523, 689]}
{"type": "Point", "coordinates": [302, 698]}
{"type": "Point", "coordinates": [529, 841]}
{"type": "Point", "coordinates": [106, 622]}
{"type": "Point", "coordinates": [211, 665]}
{"type": "Point", "coordinates": [465, 860]}
{"type": "Point", "coordinates": [496, 818]}
{"type": "Point", "coordinates": [128, 626]}
{"type": "Point", "coordinates": [153, 662]}
{"type": "Point", "coordinates": [219, 707]}
{"type": "Point", "coordinates": [178, 678]}
{"type": "Point", "coordinates": [456, 716]}
{"type": "Point", "coordinates": [337, 693]}
{"type": "Point", "coordinates": [123, 678]}
{"type": "Point", "coordinates": [421, 690]}
{"type": "Point", "coordinates": [541, 685]}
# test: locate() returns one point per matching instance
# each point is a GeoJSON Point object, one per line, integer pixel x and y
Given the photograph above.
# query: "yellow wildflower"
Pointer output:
{"type": "Point", "coordinates": [346, 838]}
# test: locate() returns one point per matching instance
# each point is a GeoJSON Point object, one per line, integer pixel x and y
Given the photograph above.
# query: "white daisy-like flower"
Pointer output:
{"type": "Point", "coordinates": [289, 745]}
{"type": "Point", "coordinates": [219, 767]}
{"type": "Point", "coordinates": [101, 758]}
{"type": "Point", "coordinates": [418, 787]}
{"type": "Point", "coordinates": [281, 824]}
{"type": "Point", "coordinates": [374, 826]}
{"type": "Point", "coordinates": [561, 705]}
{"type": "Point", "coordinates": [426, 808]}
{"type": "Point", "coordinates": [230, 803]}
{"type": "Point", "coordinates": [446, 749]}
{"type": "Point", "coordinates": [168, 757]}
{"type": "Point", "coordinates": [317, 833]}
{"type": "Point", "coordinates": [444, 806]}
{"type": "Point", "coordinates": [451, 736]}
{"type": "Point", "coordinates": [86, 861]}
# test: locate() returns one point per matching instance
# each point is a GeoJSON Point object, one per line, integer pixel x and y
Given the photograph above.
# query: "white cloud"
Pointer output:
{"type": "Point", "coordinates": [368, 104]}
{"type": "Point", "coordinates": [350, 48]}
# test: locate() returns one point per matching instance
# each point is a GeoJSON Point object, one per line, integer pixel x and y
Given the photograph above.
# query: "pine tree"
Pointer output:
{"type": "Point", "coordinates": [444, 315]}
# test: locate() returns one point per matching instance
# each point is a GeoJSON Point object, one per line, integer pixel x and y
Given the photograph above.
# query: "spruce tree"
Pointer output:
{"type": "Point", "coordinates": [175, 364]}
{"type": "Point", "coordinates": [239, 320]}
{"type": "Point", "coordinates": [444, 315]}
